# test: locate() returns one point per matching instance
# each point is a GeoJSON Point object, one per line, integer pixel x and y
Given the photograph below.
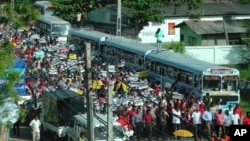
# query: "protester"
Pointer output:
{"type": "Point", "coordinates": [246, 119]}
{"type": "Point", "coordinates": [227, 122]}
{"type": "Point", "coordinates": [148, 121]}
{"type": "Point", "coordinates": [159, 37]}
{"type": "Point", "coordinates": [138, 123]}
{"type": "Point", "coordinates": [235, 118]}
{"type": "Point", "coordinates": [208, 119]}
{"type": "Point", "coordinates": [196, 121]}
{"type": "Point", "coordinates": [35, 126]}
{"type": "Point", "coordinates": [219, 117]}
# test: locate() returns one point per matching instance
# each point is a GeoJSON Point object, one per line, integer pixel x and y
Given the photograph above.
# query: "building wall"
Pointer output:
{"type": "Point", "coordinates": [147, 34]}
{"type": "Point", "coordinates": [190, 38]}
{"type": "Point", "coordinates": [101, 15]}
{"type": "Point", "coordinates": [221, 55]}
{"type": "Point", "coordinates": [211, 40]}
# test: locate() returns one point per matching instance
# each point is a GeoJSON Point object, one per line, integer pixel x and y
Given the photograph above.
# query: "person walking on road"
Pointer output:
{"type": "Point", "coordinates": [159, 36]}
{"type": "Point", "coordinates": [35, 126]}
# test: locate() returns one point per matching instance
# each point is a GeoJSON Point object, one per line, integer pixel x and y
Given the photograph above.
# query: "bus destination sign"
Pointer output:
{"type": "Point", "coordinates": [221, 71]}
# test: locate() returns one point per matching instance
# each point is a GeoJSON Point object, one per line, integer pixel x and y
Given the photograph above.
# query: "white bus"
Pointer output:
{"type": "Point", "coordinates": [54, 27]}
{"type": "Point", "coordinates": [44, 7]}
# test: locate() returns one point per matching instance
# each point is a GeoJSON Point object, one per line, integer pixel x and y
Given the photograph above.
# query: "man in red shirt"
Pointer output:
{"type": "Point", "coordinates": [246, 119]}
{"type": "Point", "coordinates": [238, 110]}
{"type": "Point", "coordinates": [148, 120]}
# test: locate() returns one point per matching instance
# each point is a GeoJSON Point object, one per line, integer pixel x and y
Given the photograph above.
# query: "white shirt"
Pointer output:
{"type": "Point", "coordinates": [35, 125]}
{"type": "Point", "coordinates": [227, 120]}
{"type": "Point", "coordinates": [176, 119]}
{"type": "Point", "coordinates": [235, 119]}
{"type": "Point", "coordinates": [196, 116]}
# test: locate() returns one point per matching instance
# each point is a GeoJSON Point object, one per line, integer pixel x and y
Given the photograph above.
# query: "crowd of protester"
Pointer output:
{"type": "Point", "coordinates": [158, 118]}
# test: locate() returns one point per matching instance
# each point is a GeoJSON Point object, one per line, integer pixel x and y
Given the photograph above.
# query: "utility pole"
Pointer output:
{"type": "Point", "coordinates": [118, 24]}
{"type": "Point", "coordinates": [88, 93]}
{"type": "Point", "coordinates": [110, 104]}
{"type": "Point", "coordinates": [12, 4]}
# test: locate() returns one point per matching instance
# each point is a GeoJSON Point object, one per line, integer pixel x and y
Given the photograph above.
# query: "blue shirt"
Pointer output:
{"type": "Point", "coordinates": [160, 36]}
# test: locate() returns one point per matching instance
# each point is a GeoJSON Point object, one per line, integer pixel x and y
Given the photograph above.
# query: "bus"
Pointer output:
{"type": "Point", "coordinates": [131, 52]}
{"type": "Point", "coordinates": [44, 7]}
{"type": "Point", "coordinates": [195, 77]}
{"type": "Point", "coordinates": [168, 68]}
{"type": "Point", "coordinates": [79, 37]}
{"type": "Point", "coordinates": [54, 27]}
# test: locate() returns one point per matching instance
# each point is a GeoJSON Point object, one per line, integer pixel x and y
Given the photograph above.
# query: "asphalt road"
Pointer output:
{"type": "Point", "coordinates": [25, 135]}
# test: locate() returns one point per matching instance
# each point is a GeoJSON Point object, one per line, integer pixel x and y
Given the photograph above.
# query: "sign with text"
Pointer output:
{"type": "Point", "coordinates": [239, 132]}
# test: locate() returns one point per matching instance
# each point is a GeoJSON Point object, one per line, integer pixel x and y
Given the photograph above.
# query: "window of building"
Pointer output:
{"type": "Point", "coordinates": [113, 18]}
{"type": "Point", "coordinates": [191, 41]}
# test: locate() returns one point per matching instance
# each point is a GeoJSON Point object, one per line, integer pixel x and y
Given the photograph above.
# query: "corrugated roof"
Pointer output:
{"type": "Point", "coordinates": [209, 8]}
{"type": "Point", "coordinates": [212, 8]}
{"type": "Point", "coordinates": [215, 27]}
{"type": "Point", "coordinates": [62, 94]}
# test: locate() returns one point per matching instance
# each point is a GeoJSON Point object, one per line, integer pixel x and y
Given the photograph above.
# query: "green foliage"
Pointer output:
{"type": "Point", "coordinates": [22, 12]}
{"type": "Point", "coordinates": [143, 11]}
{"type": "Point", "coordinates": [244, 71]}
{"type": "Point", "coordinates": [10, 77]}
{"type": "Point", "coordinates": [176, 46]}
{"type": "Point", "coordinates": [67, 9]}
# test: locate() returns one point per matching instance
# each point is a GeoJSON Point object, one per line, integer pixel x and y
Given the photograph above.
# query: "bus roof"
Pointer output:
{"type": "Point", "coordinates": [90, 34]}
{"type": "Point", "coordinates": [183, 61]}
{"type": "Point", "coordinates": [130, 45]}
{"type": "Point", "coordinates": [42, 3]}
{"type": "Point", "coordinates": [52, 20]}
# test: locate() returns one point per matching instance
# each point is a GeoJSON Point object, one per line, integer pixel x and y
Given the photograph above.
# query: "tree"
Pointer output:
{"type": "Point", "coordinates": [7, 89]}
{"type": "Point", "coordinates": [143, 11]}
{"type": "Point", "coordinates": [67, 9]}
{"type": "Point", "coordinates": [19, 15]}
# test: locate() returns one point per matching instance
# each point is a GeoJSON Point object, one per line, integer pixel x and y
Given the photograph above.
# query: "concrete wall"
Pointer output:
{"type": "Point", "coordinates": [221, 55]}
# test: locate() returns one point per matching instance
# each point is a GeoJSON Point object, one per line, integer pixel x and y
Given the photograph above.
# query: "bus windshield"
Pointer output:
{"type": "Point", "coordinates": [216, 83]}
{"type": "Point", "coordinates": [60, 29]}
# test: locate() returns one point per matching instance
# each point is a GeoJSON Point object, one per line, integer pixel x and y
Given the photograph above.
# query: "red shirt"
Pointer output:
{"type": "Point", "coordinates": [148, 118]}
{"type": "Point", "coordinates": [246, 120]}
{"type": "Point", "coordinates": [238, 111]}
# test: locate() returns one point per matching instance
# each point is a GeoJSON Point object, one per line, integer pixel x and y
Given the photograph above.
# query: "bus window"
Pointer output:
{"type": "Point", "coordinates": [211, 83]}
{"type": "Point", "coordinates": [60, 29]}
{"type": "Point", "coordinates": [230, 83]}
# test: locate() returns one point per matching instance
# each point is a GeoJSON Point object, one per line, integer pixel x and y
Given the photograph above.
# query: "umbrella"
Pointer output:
{"type": "Point", "coordinates": [183, 133]}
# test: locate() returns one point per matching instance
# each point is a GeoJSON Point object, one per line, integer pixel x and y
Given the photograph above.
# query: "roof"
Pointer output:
{"type": "Point", "coordinates": [52, 19]}
{"type": "Point", "coordinates": [130, 45]}
{"type": "Point", "coordinates": [215, 27]}
{"type": "Point", "coordinates": [183, 61]}
{"type": "Point", "coordinates": [62, 94]}
{"type": "Point", "coordinates": [209, 8]}
{"type": "Point", "coordinates": [42, 3]}
{"type": "Point", "coordinates": [90, 34]}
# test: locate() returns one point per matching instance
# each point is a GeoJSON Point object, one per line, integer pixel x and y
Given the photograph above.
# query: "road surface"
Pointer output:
{"type": "Point", "coordinates": [25, 135]}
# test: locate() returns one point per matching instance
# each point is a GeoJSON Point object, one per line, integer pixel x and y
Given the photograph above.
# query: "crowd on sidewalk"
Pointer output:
{"type": "Point", "coordinates": [159, 117]}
